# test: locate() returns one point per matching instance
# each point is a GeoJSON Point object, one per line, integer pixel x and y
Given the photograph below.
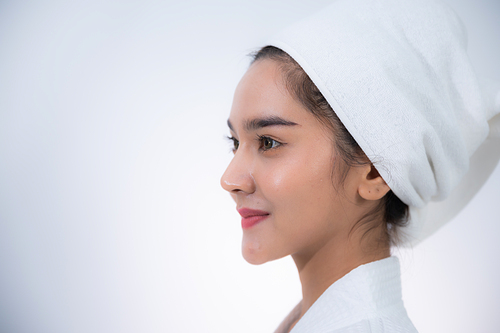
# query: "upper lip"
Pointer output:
{"type": "Point", "coordinates": [247, 212]}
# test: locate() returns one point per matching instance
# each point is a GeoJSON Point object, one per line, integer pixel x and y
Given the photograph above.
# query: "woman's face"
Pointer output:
{"type": "Point", "coordinates": [281, 173]}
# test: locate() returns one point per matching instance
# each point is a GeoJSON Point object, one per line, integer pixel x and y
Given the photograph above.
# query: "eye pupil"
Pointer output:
{"type": "Point", "coordinates": [268, 143]}
{"type": "Point", "coordinates": [236, 144]}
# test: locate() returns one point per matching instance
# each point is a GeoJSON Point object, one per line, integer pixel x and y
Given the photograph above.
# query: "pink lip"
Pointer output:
{"type": "Point", "coordinates": [250, 217]}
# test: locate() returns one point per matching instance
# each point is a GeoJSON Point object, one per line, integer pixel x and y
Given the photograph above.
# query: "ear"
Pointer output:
{"type": "Point", "coordinates": [372, 186]}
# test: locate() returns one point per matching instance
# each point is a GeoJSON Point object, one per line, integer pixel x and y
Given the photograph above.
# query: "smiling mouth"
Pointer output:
{"type": "Point", "coordinates": [250, 217]}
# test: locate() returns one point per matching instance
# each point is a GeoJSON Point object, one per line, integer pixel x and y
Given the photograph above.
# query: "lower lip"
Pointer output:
{"type": "Point", "coordinates": [248, 222]}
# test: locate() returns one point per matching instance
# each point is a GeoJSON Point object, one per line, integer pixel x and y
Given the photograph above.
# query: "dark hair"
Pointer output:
{"type": "Point", "coordinates": [393, 211]}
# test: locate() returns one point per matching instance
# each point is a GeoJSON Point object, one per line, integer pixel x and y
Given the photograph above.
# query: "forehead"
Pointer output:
{"type": "Point", "coordinates": [261, 93]}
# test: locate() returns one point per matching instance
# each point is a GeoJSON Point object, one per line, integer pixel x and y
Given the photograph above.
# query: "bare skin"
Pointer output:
{"type": "Point", "coordinates": [282, 165]}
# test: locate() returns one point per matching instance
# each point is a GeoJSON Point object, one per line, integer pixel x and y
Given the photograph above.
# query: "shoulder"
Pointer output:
{"type": "Point", "coordinates": [393, 320]}
{"type": "Point", "coordinates": [395, 324]}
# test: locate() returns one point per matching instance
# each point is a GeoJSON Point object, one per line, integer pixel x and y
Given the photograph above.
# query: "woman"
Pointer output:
{"type": "Point", "coordinates": [344, 129]}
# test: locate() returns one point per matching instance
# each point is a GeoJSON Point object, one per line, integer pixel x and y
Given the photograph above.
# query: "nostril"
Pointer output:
{"type": "Point", "coordinates": [228, 185]}
{"type": "Point", "coordinates": [238, 177]}
{"type": "Point", "coordinates": [233, 188]}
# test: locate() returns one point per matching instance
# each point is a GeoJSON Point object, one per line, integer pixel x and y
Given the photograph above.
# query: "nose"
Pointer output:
{"type": "Point", "coordinates": [238, 176]}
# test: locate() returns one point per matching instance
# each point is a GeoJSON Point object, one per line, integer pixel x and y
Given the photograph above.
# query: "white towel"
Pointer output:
{"type": "Point", "coordinates": [397, 74]}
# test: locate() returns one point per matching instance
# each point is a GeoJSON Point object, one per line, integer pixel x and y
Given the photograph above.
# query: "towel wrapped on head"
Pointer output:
{"type": "Point", "coordinates": [397, 74]}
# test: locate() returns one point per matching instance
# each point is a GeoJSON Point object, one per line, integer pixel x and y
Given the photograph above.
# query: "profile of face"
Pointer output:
{"type": "Point", "coordinates": [281, 174]}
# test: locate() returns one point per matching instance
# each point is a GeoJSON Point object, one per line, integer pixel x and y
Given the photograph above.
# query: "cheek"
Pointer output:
{"type": "Point", "coordinates": [300, 184]}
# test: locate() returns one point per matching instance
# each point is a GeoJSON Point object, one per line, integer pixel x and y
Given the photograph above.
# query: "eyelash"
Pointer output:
{"type": "Point", "coordinates": [260, 138]}
{"type": "Point", "coordinates": [235, 143]}
{"type": "Point", "coordinates": [263, 138]}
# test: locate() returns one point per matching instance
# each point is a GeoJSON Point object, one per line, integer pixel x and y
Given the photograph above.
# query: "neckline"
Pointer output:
{"type": "Point", "coordinates": [364, 292]}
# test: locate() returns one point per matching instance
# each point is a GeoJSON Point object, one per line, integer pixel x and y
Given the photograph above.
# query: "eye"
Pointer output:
{"type": "Point", "coordinates": [234, 143]}
{"type": "Point", "coordinates": [267, 143]}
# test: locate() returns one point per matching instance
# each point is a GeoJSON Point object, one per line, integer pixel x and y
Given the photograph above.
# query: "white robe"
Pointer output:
{"type": "Point", "coordinates": [367, 299]}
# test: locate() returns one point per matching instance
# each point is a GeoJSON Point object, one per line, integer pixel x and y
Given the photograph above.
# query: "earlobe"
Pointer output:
{"type": "Point", "coordinates": [372, 185]}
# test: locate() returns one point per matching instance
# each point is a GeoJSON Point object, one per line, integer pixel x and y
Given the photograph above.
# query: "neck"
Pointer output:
{"type": "Point", "coordinates": [319, 269]}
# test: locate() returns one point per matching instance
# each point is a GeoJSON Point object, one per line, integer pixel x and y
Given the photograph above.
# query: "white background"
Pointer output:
{"type": "Point", "coordinates": [112, 117]}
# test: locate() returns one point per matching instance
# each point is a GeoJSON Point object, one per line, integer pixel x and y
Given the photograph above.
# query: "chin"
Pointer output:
{"type": "Point", "coordinates": [253, 257]}
{"type": "Point", "coordinates": [253, 261]}
{"type": "Point", "coordinates": [254, 252]}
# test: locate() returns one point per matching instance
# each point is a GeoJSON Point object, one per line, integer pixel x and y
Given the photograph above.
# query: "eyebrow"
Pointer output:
{"type": "Point", "coordinates": [258, 123]}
